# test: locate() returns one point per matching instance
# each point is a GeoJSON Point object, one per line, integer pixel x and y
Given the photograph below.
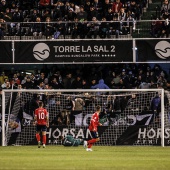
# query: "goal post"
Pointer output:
{"type": "Point", "coordinates": [124, 111]}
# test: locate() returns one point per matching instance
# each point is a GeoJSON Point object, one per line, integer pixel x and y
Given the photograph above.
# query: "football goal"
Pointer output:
{"type": "Point", "coordinates": [128, 116]}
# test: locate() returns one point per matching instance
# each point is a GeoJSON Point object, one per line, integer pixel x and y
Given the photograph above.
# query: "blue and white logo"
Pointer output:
{"type": "Point", "coordinates": [162, 49]}
{"type": "Point", "coordinates": [41, 51]}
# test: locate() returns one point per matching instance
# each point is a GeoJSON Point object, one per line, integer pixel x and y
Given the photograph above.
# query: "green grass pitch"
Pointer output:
{"type": "Point", "coordinates": [77, 158]}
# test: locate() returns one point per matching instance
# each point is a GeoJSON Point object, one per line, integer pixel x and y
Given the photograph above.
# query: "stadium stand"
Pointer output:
{"type": "Point", "coordinates": [30, 19]}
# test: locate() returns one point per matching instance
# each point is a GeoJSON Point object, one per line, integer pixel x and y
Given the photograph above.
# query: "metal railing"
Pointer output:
{"type": "Point", "coordinates": [84, 30]}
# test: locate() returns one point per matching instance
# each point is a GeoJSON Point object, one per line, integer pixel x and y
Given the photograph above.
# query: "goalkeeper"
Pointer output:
{"type": "Point", "coordinates": [69, 140]}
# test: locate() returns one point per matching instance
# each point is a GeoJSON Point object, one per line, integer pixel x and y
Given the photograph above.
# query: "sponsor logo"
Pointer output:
{"type": "Point", "coordinates": [54, 133]}
{"type": "Point", "coordinates": [41, 51]}
{"type": "Point", "coordinates": [153, 133]}
{"type": "Point", "coordinates": [162, 49]}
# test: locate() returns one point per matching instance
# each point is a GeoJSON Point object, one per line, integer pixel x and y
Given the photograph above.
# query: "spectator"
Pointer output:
{"type": "Point", "coordinates": [117, 5]}
{"type": "Point", "coordinates": [40, 85]}
{"type": "Point", "coordinates": [78, 2]}
{"type": "Point", "coordinates": [134, 9]}
{"type": "Point", "coordinates": [104, 29]}
{"type": "Point", "coordinates": [144, 85]}
{"type": "Point", "coordinates": [28, 84]}
{"type": "Point", "coordinates": [45, 14]}
{"type": "Point", "coordinates": [38, 27]}
{"type": "Point", "coordinates": [2, 28]}
{"type": "Point", "coordinates": [68, 81]}
{"type": "Point", "coordinates": [58, 11]}
{"type": "Point", "coordinates": [156, 27]}
{"type": "Point", "coordinates": [166, 15]}
{"type": "Point", "coordinates": [93, 28]}
{"type": "Point", "coordinates": [165, 6]}
{"type": "Point", "coordinates": [69, 104]}
{"type": "Point", "coordinates": [75, 7]}
{"type": "Point", "coordinates": [87, 6]}
{"type": "Point", "coordinates": [42, 78]}
{"type": "Point", "coordinates": [58, 76]}
{"type": "Point", "coordinates": [17, 15]}
{"type": "Point", "coordinates": [82, 15]}
{"type": "Point", "coordinates": [92, 13]}
{"type": "Point", "coordinates": [43, 4]}
{"type": "Point", "coordinates": [67, 6]}
{"type": "Point", "coordinates": [115, 27]}
{"type": "Point", "coordinates": [7, 15]}
{"type": "Point", "coordinates": [123, 19]}
{"type": "Point", "coordinates": [93, 82]}
{"type": "Point", "coordinates": [83, 30]}
{"type": "Point", "coordinates": [13, 6]}
{"type": "Point", "coordinates": [78, 104]}
{"type": "Point", "coordinates": [115, 81]}
{"type": "Point", "coordinates": [65, 117]}
{"type": "Point", "coordinates": [49, 31]}
{"type": "Point", "coordinates": [165, 28]}
{"type": "Point", "coordinates": [60, 28]}
{"type": "Point", "coordinates": [106, 6]}
{"type": "Point", "coordinates": [16, 79]}
{"type": "Point", "coordinates": [77, 83]}
{"type": "Point", "coordinates": [34, 15]}
{"type": "Point", "coordinates": [131, 22]}
{"type": "Point", "coordinates": [109, 14]}
{"type": "Point", "coordinates": [3, 6]}
{"type": "Point", "coordinates": [75, 29]}
{"type": "Point", "coordinates": [100, 85]}
{"type": "Point", "coordinates": [3, 77]}
{"type": "Point", "coordinates": [5, 84]}
{"type": "Point", "coordinates": [85, 84]}
{"type": "Point", "coordinates": [55, 84]}
{"type": "Point", "coordinates": [71, 15]}
{"type": "Point", "coordinates": [168, 84]}
{"type": "Point", "coordinates": [161, 80]}
{"type": "Point", "coordinates": [98, 8]}
{"type": "Point", "coordinates": [57, 121]}
{"type": "Point", "coordinates": [156, 106]}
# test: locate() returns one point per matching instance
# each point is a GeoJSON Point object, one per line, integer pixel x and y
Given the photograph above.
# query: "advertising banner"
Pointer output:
{"type": "Point", "coordinates": [133, 135]}
{"type": "Point", "coordinates": [6, 52]}
{"type": "Point", "coordinates": [153, 50]}
{"type": "Point", "coordinates": [73, 51]}
{"type": "Point", "coordinates": [122, 130]}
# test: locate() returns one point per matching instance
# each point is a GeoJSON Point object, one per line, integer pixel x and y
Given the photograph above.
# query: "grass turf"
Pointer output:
{"type": "Point", "coordinates": [77, 158]}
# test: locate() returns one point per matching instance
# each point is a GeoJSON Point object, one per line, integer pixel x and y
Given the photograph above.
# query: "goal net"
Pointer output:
{"type": "Point", "coordinates": [128, 117]}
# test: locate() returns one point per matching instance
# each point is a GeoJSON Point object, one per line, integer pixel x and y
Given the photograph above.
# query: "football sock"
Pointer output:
{"type": "Point", "coordinates": [44, 139]}
{"type": "Point", "coordinates": [90, 145]}
{"type": "Point", "coordinates": [38, 137]}
{"type": "Point", "coordinates": [91, 142]}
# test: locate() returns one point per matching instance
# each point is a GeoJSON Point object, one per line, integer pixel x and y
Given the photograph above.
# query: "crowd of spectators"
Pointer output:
{"type": "Point", "coordinates": [122, 76]}
{"type": "Point", "coordinates": [69, 17]}
{"type": "Point", "coordinates": [160, 27]}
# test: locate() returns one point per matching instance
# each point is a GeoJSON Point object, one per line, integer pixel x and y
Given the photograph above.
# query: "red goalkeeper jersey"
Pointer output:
{"type": "Point", "coordinates": [94, 122]}
{"type": "Point", "coordinates": [41, 115]}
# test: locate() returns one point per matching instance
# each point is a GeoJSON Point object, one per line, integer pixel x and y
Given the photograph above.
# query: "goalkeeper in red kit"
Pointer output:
{"type": "Point", "coordinates": [42, 122]}
{"type": "Point", "coordinates": [94, 123]}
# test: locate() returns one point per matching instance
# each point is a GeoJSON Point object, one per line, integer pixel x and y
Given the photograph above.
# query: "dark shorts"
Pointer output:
{"type": "Point", "coordinates": [40, 128]}
{"type": "Point", "coordinates": [94, 134]}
